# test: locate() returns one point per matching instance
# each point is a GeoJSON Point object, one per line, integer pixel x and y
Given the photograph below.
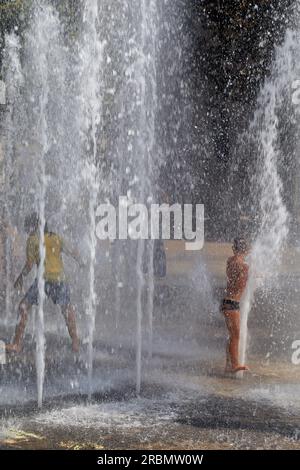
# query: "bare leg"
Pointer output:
{"type": "Point", "coordinates": [232, 319]}
{"type": "Point", "coordinates": [24, 310]}
{"type": "Point", "coordinates": [228, 367]}
{"type": "Point", "coordinates": [70, 317]}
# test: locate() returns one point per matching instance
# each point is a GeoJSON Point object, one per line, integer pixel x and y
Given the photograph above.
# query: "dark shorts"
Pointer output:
{"type": "Point", "coordinates": [230, 305]}
{"type": "Point", "coordinates": [59, 293]}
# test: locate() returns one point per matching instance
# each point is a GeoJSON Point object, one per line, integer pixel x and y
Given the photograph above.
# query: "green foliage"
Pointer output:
{"type": "Point", "coordinates": [12, 13]}
{"type": "Point", "coordinates": [15, 16]}
{"type": "Point", "coordinates": [70, 13]}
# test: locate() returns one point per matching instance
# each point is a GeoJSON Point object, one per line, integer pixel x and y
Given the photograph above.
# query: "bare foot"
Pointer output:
{"type": "Point", "coordinates": [75, 345]}
{"type": "Point", "coordinates": [230, 370]}
{"type": "Point", "coordinates": [14, 348]}
{"type": "Point", "coordinates": [239, 368]}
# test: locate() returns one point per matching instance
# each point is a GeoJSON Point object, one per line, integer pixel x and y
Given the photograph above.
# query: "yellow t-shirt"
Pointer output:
{"type": "Point", "coordinates": [53, 267]}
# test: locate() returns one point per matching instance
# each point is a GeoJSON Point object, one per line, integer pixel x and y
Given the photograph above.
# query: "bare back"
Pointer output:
{"type": "Point", "coordinates": [237, 277]}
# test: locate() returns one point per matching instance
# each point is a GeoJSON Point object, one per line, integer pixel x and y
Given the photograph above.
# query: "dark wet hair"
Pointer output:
{"type": "Point", "coordinates": [240, 245]}
{"type": "Point", "coordinates": [31, 222]}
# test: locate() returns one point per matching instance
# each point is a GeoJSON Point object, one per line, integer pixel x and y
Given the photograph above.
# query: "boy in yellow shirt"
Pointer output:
{"type": "Point", "coordinates": [55, 284]}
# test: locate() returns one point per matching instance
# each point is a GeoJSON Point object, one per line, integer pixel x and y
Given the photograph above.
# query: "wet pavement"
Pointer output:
{"type": "Point", "coordinates": [185, 402]}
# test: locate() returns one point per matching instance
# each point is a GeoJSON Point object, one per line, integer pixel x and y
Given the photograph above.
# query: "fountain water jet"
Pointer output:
{"type": "Point", "coordinates": [44, 17]}
{"type": "Point", "coordinates": [147, 103]}
{"type": "Point", "coordinates": [135, 156]}
{"type": "Point", "coordinates": [267, 187]}
{"type": "Point", "coordinates": [83, 93]}
{"type": "Point", "coordinates": [37, 149]}
{"type": "Point", "coordinates": [92, 62]}
{"type": "Point", "coordinates": [14, 79]}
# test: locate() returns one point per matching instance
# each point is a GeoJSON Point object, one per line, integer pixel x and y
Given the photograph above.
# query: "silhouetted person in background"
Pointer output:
{"type": "Point", "coordinates": [237, 277]}
{"type": "Point", "coordinates": [55, 286]}
{"type": "Point", "coordinates": [159, 259]}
